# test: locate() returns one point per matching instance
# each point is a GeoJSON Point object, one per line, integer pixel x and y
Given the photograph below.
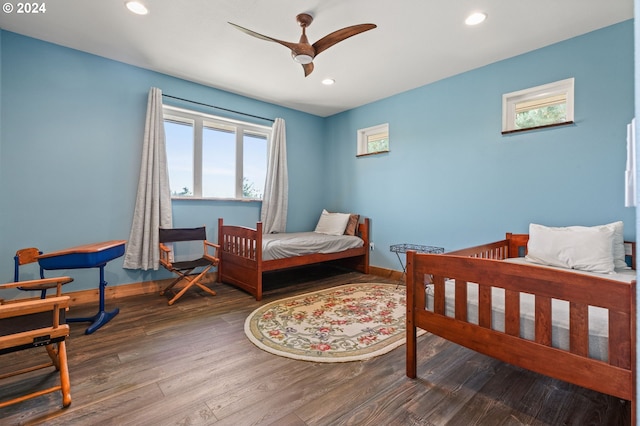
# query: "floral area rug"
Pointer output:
{"type": "Point", "coordinates": [346, 323]}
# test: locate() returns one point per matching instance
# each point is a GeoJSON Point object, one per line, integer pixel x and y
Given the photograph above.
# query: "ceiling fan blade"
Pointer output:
{"type": "Point", "coordinates": [337, 36]}
{"type": "Point", "coordinates": [292, 46]}
{"type": "Point", "coordinates": [308, 68]}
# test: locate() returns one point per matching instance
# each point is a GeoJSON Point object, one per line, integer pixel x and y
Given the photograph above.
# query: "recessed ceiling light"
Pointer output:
{"type": "Point", "coordinates": [137, 7]}
{"type": "Point", "coordinates": [328, 81]}
{"type": "Point", "coordinates": [475, 18]}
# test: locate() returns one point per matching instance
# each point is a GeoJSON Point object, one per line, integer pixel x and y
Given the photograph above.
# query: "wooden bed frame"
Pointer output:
{"type": "Point", "coordinates": [241, 261]}
{"type": "Point", "coordinates": [482, 265]}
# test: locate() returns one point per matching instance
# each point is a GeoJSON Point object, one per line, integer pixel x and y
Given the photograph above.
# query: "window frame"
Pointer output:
{"type": "Point", "coordinates": [362, 139]}
{"type": "Point", "coordinates": [564, 88]}
{"type": "Point", "coordinates": [200, 120]}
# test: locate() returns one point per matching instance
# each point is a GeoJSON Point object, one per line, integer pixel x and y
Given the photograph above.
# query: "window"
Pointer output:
{"type": "Point", "coordinates": [213, 157]}
{"type": "Point", "coordinates": [542, 106]}
{"type": "Point", "coordinates": [373, 140]}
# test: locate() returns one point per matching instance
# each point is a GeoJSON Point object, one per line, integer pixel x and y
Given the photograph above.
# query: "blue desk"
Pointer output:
{"type": "Point", "coordinates": [95, 255]}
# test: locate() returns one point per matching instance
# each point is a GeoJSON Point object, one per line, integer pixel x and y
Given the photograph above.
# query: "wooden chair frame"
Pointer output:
{"type": "Point", "coordinates": [210, 251]}
{"type": "Point", "coordinates": [29, 255]}
{"type": "Point", "coordinates": [49, 331]}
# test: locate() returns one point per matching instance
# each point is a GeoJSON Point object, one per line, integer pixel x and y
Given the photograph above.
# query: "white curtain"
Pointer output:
{"type": "Point", "coordinates": [153, 203]}
{"type": "Point", "coordinates": [630, 174]}
{"type": "Point", "coordinates": [276, 190]}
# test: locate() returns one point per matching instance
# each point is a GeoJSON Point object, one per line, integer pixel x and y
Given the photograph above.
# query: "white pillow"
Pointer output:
{"type": "Point", "coordinates": [332, 223]}
{"type": "Point", "coordinates": [574, 247]}
{"type": "Point", "coordinates": [619, 258]}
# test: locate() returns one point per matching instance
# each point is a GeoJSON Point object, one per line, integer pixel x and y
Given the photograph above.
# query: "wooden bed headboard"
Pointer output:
{"type": "Point", "coordinates": [515, 245]}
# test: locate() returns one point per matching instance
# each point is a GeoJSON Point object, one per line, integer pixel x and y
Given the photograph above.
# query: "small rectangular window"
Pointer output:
{"type": "Point", "coordinates": [538, 107]}
{"type": "Point", "coordinates": [373, 140]}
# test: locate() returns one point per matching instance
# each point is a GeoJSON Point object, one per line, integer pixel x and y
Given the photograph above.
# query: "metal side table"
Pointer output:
{"type": "Point", "coordinates": [404, 248]}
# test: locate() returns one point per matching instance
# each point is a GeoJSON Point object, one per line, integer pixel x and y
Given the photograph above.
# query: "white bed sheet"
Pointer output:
{"type": "Point", "coordinates": [280, 246]}
{"type": "Point", "coordinates": [598, 317]}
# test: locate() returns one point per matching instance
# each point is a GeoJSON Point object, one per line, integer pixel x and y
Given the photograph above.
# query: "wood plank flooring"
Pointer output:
{"type": "Point", "coordinates": [191, 364]}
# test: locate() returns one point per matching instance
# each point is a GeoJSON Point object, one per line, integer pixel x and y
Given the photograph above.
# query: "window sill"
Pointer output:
{"type": "Point", "coordinates": [508, 132]}
{"type": "Point", "coordinates": [372, 153]}
{"type": "Point", "coordinates": [243, 200]}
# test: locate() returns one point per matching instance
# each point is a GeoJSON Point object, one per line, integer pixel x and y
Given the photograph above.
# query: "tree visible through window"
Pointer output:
{"type": "Point", "coordinates": [373, 140]}
{"type": "Point", "coordinates": [211, 157]}
{"type": "Point", "coordinates": [541, 106]}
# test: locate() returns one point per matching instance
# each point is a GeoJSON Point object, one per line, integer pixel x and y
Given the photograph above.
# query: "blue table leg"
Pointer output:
{"type": "Point", "coordinates": [102, 317]}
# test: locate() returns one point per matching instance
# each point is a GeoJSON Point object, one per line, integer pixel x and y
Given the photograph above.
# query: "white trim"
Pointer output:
{"type": "Point", "coordinates": [363, 135]}
{"type": "Point", "coordinates": [199, 120]}
{"type": "Point", "coordinates": [509, 100]}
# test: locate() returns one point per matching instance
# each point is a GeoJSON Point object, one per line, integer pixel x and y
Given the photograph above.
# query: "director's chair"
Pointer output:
{"type": "Point", "coordinates": [184, 268]}
{"type": "Point", "coordinates": [35, 323]}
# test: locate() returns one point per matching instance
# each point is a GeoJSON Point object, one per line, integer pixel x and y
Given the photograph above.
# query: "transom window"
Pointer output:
{"type": "Point", "coordinates": [373, 140]}
{"type": "Point", "coordinates": [214, 157]}
{"type": "Point", "coordinates": [537, 107]}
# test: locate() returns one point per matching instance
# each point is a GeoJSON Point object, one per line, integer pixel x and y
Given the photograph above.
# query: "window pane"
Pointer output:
{"type": "Point", "coordinates": [545, 105]}
{"type": "Point", "coordinates": [218, 162]}
{"type": "Point", "coordinates": [541, 116]}
{"type": "Point", "coordinates": [378, 142]}
{"type": "Point", "coordinates": [254, 165]}
{"type": "Point", "coordinates": [179, 141]}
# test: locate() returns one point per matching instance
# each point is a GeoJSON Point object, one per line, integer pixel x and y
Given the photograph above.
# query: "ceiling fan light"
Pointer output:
{"type": "Point", "coordinates": [303, 59]}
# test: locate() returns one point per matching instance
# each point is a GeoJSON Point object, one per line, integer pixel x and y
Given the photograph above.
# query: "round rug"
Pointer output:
{"type": "Point", "coordinates": [347, 323]}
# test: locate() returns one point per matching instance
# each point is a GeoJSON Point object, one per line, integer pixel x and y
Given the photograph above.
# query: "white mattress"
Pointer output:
{"type": "Point", "coordinates": [280, 246]}
{"type": "Point", "coordinates": [598, 317]}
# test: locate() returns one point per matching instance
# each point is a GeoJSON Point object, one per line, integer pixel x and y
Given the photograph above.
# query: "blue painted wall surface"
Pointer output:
{"type": "Point", "coordinates": [72, 124]}
{"type": "Point", "coordinates": [452, 180]}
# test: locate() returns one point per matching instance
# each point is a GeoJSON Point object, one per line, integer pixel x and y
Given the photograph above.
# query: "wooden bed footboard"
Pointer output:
{"type": "Point", "coordinates": [241, 261]}
{"type": "Point", "coordinates": [615, 376]}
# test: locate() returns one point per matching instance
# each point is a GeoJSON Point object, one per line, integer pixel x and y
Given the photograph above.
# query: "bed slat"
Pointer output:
{"type": "Point", "coordinates": [438, 295]}
{"type": "Point", "coordinates": [579, 329]}
{"type": "Point", "coordinates": [484, 306]}
{"type": "Point", "coordinates": [461, 300]}
{"type": "Point", "coordinates": [512, 312]}
{"type": "Point", "coordinates": [619, 343]}
{"type": "Point", "coordinates": [543, 320]}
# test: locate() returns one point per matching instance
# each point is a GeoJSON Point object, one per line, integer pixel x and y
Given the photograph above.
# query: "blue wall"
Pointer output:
{"type": "Point", "coordinates": [452, 180]}
{"type": "Point", "coordinates": [71, 130]}
{"type": "Point", "coordinates": [72, 124]}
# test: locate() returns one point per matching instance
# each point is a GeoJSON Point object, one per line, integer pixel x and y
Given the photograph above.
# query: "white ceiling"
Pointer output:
{"type": "Point", "coordinates": [417, 41]}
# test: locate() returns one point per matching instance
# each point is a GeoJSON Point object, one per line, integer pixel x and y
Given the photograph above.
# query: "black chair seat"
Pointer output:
{"type": "Point", "coordinates": [191, 264]}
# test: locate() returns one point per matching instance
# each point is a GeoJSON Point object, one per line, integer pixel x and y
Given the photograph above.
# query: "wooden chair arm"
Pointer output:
{"type": "Point", "coordinates": [34, 306]}
{"type": "Point", "coordinates": [165, 256]}
{"type": "Point", "coordinates": [212, 257]}
{"type": "Point", "coordinates": [40, 284]}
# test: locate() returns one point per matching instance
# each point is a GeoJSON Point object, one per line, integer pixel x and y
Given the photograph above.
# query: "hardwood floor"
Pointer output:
{"type": "Point", "coordinates": [190, 364]}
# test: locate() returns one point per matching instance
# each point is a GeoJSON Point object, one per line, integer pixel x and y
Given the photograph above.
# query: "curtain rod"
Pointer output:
{"type": "Point", "coordinates": [220, 108]}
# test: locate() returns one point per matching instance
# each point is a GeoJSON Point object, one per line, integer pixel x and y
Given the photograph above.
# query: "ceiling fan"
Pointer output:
{"type": "Point", "coordinates": [304, 52]}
